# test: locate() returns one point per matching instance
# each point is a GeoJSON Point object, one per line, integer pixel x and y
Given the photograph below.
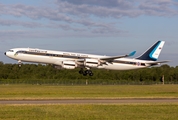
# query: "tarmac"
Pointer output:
{"type": "Point", "coordinates": [92, 101]}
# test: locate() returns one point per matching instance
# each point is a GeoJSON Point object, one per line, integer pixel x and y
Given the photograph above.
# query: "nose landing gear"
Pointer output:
{"type": "Point", "coordinates": [20, 63]}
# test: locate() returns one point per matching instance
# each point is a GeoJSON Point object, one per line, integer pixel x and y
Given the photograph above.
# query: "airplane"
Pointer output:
{"type": "Point", "coordinates": [71, 60]}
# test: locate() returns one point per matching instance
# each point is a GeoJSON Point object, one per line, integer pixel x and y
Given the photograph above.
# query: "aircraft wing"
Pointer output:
{"type": "Point", "coordinates": [104, 59]}
{"type": "Point", "coordinates": [116, 57]}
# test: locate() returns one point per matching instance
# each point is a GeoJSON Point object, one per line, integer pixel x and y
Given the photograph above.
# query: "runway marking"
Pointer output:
{"type": "Point", "coordinates": [92, 101]}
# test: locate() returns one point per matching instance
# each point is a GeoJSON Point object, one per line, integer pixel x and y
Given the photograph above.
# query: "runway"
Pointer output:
{"type": "Point", "coordinates": [92, 101]}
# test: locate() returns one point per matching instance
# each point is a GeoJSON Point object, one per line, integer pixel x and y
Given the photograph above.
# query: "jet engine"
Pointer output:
{"type": "Point", "coordinates": [91, 63]}
{"type": "Point", "coordinates": [69, 64]}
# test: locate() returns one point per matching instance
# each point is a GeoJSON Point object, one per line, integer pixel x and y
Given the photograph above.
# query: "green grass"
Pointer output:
{"type": "Point", "coordinates": [142, 111]}
{"type": "Point", "coordinates": [89, 112]}
{"type": "Point", "coordinates": [87, 92]}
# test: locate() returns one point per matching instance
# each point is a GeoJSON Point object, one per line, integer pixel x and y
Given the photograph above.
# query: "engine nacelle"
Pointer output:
{"type": "Point", "coordinates": [91, 62]}
{"type": "Point", "coordinates": [69, 64]}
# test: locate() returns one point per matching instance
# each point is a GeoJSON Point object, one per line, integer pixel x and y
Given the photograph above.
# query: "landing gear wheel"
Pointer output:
{"type": "Point", "coordinates": [91, 74]}
{"type": "Point", "coordinates": [81, 71]}
{"type": "Point", "coordinates": [84, 74]}
{"type": "Point", "coordinates": [88, 71]}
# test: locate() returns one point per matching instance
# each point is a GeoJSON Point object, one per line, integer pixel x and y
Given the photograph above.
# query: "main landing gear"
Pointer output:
{"type": "Point", "coordinates": [89, 72]}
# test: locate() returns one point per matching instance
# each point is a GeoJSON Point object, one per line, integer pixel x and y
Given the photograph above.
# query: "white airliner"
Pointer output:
{"type": "Point", "coordinates": [70, 60]}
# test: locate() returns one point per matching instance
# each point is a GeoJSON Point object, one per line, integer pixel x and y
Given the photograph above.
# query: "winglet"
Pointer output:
{"type": "Point", "coordinates": [132, 53]}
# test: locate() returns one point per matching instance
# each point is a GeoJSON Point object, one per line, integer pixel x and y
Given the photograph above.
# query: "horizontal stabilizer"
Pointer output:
{"type": "Point", "coordinates": [156, 62]}
{"type": "Point", "coordinates": [152, 63]}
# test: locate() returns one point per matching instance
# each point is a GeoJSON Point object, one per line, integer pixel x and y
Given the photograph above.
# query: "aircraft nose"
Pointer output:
{"type": "Point", "coordinates": [5, 53]}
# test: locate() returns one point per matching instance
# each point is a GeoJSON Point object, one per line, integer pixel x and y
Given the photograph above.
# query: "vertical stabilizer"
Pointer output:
{"type": "Point", "coordinates": [153, 52]}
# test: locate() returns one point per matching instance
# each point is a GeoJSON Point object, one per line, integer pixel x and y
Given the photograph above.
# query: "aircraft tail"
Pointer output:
{"type": "Point", "coordinates": [153, 52]}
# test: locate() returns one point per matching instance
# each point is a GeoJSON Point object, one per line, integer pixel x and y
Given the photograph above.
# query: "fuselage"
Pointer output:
{"type": "Point", "coordinates": [59, 57]}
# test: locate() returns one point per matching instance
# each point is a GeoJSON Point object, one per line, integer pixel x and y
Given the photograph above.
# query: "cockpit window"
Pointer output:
{"type": "Point", "coordinates": [21, 51]}
{"type": "Point", "coordinates": [10, 51]}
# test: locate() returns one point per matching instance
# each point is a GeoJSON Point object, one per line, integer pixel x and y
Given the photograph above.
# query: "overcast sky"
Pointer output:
{"type": "Point", "coordinates": [106, 27]}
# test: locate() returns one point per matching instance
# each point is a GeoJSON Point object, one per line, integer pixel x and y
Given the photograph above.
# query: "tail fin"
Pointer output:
{"type": "Point", "coordinates": [153, 52]}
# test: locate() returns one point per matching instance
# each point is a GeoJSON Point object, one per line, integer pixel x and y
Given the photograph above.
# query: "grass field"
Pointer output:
{"type": "Point", "coordinates": [89, 112]}
{"type": "Point", "coordinates": [142, 111]}
{"type": "Point", "coordinates": [86, 92]}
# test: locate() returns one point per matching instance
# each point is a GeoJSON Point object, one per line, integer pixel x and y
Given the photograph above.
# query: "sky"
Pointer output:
{"type": "Point", "coordinates": [103, 27]}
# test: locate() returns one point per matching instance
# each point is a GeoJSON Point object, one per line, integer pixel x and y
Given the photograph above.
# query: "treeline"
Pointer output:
{"type": "Point", "coordinates": [45, 74]}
